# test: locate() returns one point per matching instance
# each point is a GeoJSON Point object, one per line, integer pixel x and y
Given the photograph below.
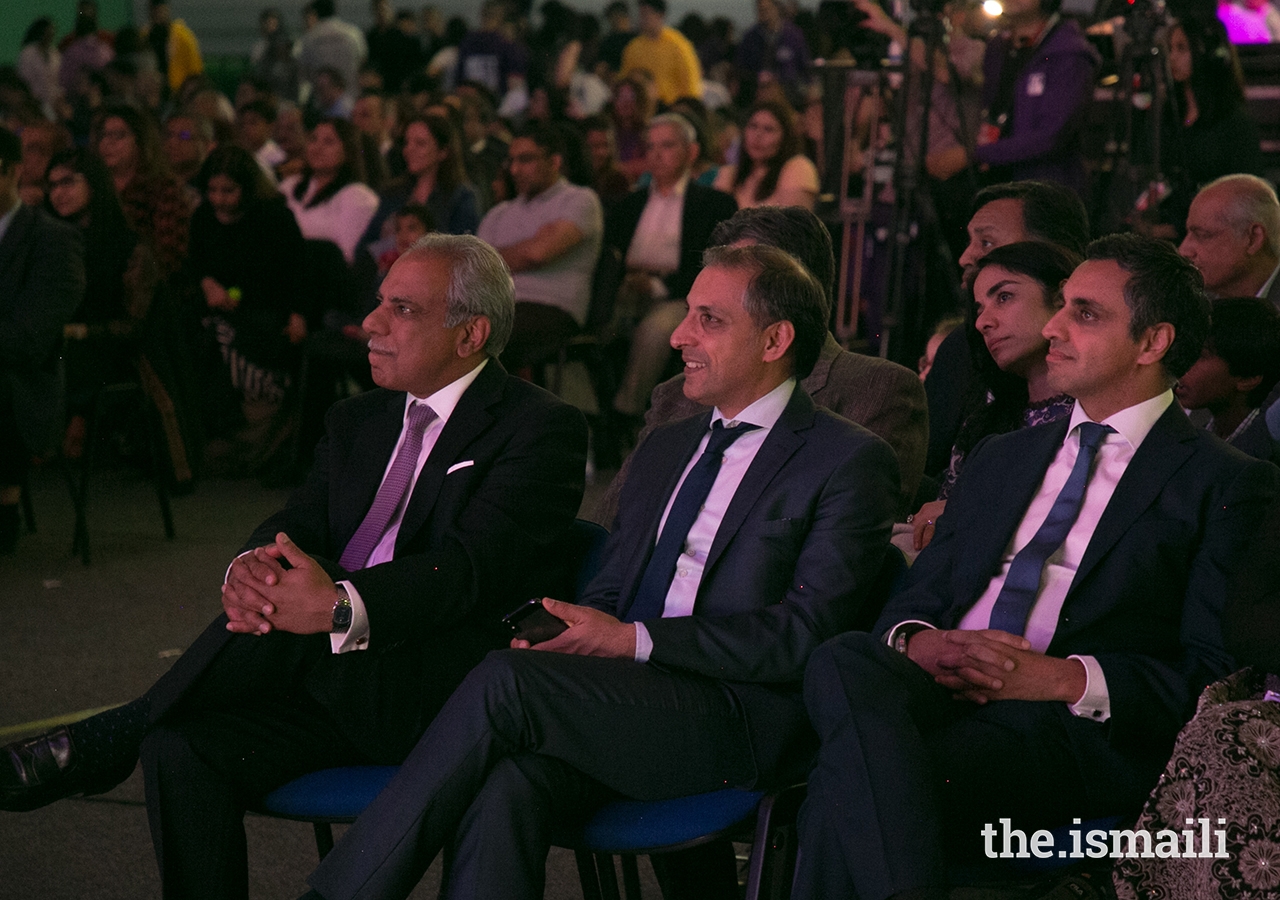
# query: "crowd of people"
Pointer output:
{"type": "Point", "coordinates": [1077, 476]}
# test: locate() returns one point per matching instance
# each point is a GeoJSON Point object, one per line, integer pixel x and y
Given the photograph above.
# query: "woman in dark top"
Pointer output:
{"type": "Point", "coordinates": [1208, 130]}
{"type": "Point", "coordinates": [246, 254]}
{"type": "Point", "coordinates": [1015, 293]}
{"type": "Point", "coordinates": [155, 205]}
{"type": "Point", "coordinates": [125, 328]}
{"type": "Point", "coordinates": [434, 178]}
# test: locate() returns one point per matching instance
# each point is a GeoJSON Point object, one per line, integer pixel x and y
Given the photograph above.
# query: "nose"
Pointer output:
{"type": "Point", "coordinates": [681, 337]}
{"type": "Point", "coordinates": [373, 321]}
{"type": "Point", "coordinates": [969, 256]}
{"type": "Point", "coordinates": [986, 320]}
{"type": "Point", "coordinates": [1187, 248]}
{"type": "Point", "coordinates": [1053, 328]}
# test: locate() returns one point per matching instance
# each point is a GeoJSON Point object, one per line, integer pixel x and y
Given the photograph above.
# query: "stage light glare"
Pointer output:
{"type": "Point", "coordinates": [992, 8]}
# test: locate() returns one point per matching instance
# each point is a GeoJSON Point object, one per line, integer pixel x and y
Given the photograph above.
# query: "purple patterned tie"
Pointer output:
{"type": "Point", "coordinates": [392, 492]}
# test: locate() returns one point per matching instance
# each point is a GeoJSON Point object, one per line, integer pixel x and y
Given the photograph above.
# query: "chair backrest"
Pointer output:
{"type": "Point", "coordinates": [588, 541]}
{"type": "Point", "coordinates": [604, 290]}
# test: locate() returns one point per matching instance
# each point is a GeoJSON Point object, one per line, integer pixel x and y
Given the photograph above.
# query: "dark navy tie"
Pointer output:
{"type": "Point", "coordinates": [1022, 584]}
{"type": "Point", "coordinates": [651, 596]}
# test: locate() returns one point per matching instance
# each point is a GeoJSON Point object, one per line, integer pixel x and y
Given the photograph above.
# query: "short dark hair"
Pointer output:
{"type": "Point", "coordinates": [261, 107]}
{"type": "Point", "coordinates": [417, 211]}
{"type": "Point", "coordinates": [790, 228]}
{"type": "Point", "coordinates": [1163, 286]}
{"type": "Point", "coordinates": [324, 8]}
{"type": "Point", "coordinates": [1245, 332]}
{"type": "Point", "coordinates": [659, 6]}
{"type": "Point", "coordinates": [238, 164]}
{"type": "Point", "coordinates": [10, 148]}
{"type": "Point", "coordinates": [781, 289]}
{"type": "Point", "coordinates": [1049, 264]}
{"type": "Point", "coordinates": [545, 135]}
{"type": "Point", "coordinates": [1050, 212]}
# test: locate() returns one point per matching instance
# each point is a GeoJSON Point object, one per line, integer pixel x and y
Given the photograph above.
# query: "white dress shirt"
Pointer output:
{"type": "Point", "coordinates": [443, 402]}
{"type": "Point", "coordinates": [1131, 427]}
{"type": "Point", "coordinates": [738, 457]}
{"type": "Point", "coordinates": [655, 246]}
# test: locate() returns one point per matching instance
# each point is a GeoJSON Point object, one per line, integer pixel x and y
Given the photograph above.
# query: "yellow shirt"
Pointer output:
{"type": "Point", "coordinates": [670, 59]}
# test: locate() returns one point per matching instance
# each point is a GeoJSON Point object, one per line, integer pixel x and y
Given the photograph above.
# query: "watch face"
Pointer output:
{"type": "Point", "coordinates": [341, 615]}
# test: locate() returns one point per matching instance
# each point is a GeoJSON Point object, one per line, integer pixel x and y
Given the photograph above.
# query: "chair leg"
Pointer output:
{"type": "Point", "coordinates": [630, 876]}
{"type": "Point", "coordinates": [608, 877]}
{"type": "Point", "coordinates": [587, 875]}
{"type": "Point", "coordinates": [773, 850]}
{"type": "Point", "coordinates": [28, 507]}
{"type": "Point", "coordinates": [324, 837]}
{"type": "Point", "coordinates": [158, 455]}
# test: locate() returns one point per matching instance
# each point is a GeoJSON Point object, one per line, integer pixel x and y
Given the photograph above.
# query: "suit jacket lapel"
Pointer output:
{"type": "Point", "coordinates": [13, 239]}
{"type": "Point", "coordinates": [1164, 450]}
{"type": "Point", "coordinates": [470, 417]}
{"type": "Point", "coordinates": [783, 441]}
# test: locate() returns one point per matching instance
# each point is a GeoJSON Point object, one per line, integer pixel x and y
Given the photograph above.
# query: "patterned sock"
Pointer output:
{"type": "Point", "coordinates": [110, 740]}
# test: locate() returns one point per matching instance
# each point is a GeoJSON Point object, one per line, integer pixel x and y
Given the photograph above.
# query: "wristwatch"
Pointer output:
{"type": "Point", "coordinates": [341, 612]}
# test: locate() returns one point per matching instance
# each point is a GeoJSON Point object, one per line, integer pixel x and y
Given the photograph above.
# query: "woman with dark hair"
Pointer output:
{"type": "Point", "coordinates": [1208, 132]}
{"type": "Point", "coordinates": [434, 178]}
{"type": "Point", "coordinates": [631, 109]}
{"type": "Point", "coordinates": [118, 333]}
{"type": "Point", "coordinates": [1015, 294]}
{"type": "Point", "coordinates": [38, 64]}
{"type": "Point", "coordinates": [771, 171]}
{"type": "Point", "coordinates": [329, 198]}
{"type": "Point", "coordinates": [155, 204]}
{"type": "Point", "coordinates": [246, 252]}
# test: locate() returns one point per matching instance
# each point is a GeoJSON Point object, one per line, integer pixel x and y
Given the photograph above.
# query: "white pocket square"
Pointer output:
{"type": "Point", "coordinates": [462, 465]}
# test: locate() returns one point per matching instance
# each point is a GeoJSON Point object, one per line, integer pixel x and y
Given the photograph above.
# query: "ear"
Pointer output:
{"type": "Point", "coordinates": [473, 337]}
{"type": "Point", "coordinates": [692, 156]}
{"type": "Point", "coordinates": [1257, 238]}
{"type": "Point", "coordinates": [778, 339]}
{"type": "Point", "coordinates": [1155, 343]}
{"type": "Point", "coordinates": [1245, 385]}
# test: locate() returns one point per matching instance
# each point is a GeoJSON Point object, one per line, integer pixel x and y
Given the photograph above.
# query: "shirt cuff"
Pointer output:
{"type": "Point", "coordinates": [1096, 702]}
{"type": "Point", "coordinates": [357, 636]}
{"type": "Point", "coordinates": [644, 643]}
{"type": "Point", "coordinates": [892, 637]}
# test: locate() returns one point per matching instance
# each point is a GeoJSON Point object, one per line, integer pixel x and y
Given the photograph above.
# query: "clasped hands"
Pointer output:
{"type": "Point", "coordinates": [261, 595]}
{"type": "Point", "coordinates": [981, 666]}
{"type": "Point", "coordinates": [590, 633]}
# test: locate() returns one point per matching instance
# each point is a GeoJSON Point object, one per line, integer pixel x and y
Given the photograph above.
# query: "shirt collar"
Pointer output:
{"type": "Point", "coordinates": [1132, 424]}
{"type": "Point", "coordinates": [765, 411]}
{"type": "Point", "coordinates": [1266, 285]}
{"type": "Point", "coordinates": [443, 401]}
{"type": "Point", "coordinates": [677, 191]}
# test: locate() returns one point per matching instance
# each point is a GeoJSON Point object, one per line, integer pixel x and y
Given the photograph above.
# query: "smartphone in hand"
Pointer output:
{"type": "Point", "coordinates": [531, 622]}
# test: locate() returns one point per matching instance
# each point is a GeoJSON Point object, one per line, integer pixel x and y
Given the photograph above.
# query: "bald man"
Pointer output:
{"type": "Point", "coordinates": [1233, 237]}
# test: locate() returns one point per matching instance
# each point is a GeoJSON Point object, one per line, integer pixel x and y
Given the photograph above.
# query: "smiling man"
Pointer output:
{"type": "Point", "coordinates": [746, 537]}
{"type": "Point", "coordinates": [1056, 633]}
{"type": "Point", "coordinates": [434, 507]}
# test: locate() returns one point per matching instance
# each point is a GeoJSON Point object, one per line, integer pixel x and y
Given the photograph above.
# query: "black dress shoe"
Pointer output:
{"type": "Point", "coordinates": [39, 770]}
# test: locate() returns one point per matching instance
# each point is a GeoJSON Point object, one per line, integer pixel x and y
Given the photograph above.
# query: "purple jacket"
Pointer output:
{"type": "Point", "coordinates": [1050, 97]}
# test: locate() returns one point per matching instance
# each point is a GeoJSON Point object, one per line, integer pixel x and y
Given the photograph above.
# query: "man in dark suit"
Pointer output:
{"type": "Point", "coordinates": [730, 562]}
{"type": "Point", "coordinates": [1057, 631]}
{"type": "Point", "coordinates": [881, 396]}
{"type": "Point", "coordinates": [41, 285]}
{"type": "Point", "coordinates": [659, 233]}
{"type": "Point", "coordinates": [434, 507]}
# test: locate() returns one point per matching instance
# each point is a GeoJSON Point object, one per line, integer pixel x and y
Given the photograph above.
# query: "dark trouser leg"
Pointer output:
{"type": "Point", "coordinates": [502, 841]}
{"type": "Point", "coordinates": [204, 768]}
{"type": "Point", "coordinates": [902, 765]}
{"type": "Point", "coordinates": [868, 827]}
{"type": "Point", "coordinates": [640, 731]}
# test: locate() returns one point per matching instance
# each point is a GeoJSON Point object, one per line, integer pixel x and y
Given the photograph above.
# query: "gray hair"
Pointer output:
{"type": "Point", "coordinates": [1253, 201]}
{"type": "Point", "coordinates": [781, 289]}
{"type": "Point", "coordinates": [682, 126]}
{"type": "Point", "coordinates": [479, 284]}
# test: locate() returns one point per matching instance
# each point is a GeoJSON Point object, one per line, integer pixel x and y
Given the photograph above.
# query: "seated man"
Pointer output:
{"type": "Point", "coordinates": [1236, 373]}
{"type": "Point", "coordinates": [41, 285]}
{"type": "Point", "coordinates": [549, 236]}
{"type": "Point", "coordinates": [1050, 645]}
{"type": "Point", "coordinates": [433, 508]}
{"type": "Point", "coordinates": [1233, 237]}
{"type": "Point", "coordinates": [660, 233]}
{"type": "Point", "coordinates": [730, 562]}
{"type": "Point", "coordinates": [881, 396]}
